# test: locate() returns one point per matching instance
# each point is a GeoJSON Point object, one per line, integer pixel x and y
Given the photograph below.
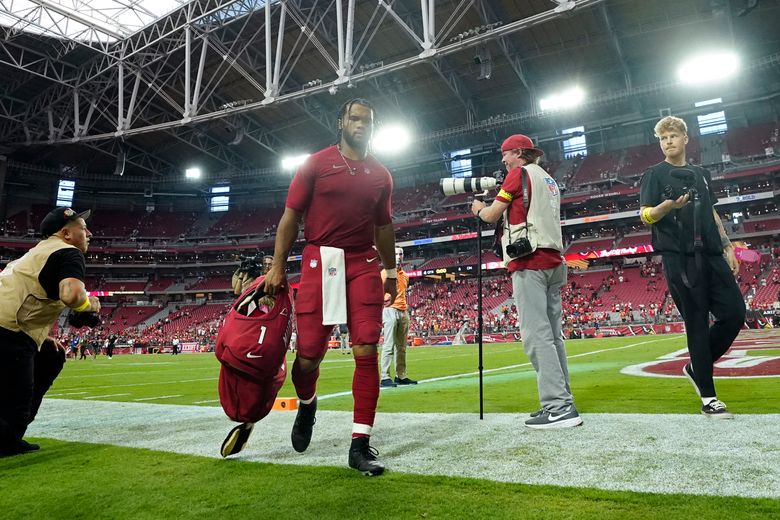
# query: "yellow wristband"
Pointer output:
{"type": "Point", "coordinates": [646, 216]}
{"type": "Point", "coordinates": [84, 306]}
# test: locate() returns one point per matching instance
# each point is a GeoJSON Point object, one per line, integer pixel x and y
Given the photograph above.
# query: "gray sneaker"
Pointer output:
{"type": "Point", "coordinates": [550, 420]}
{"type": "Point", "coordinates": [537, 413]}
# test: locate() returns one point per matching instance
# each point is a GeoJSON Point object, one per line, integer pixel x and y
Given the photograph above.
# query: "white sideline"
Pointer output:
{"type": "Point", "coordinates": [658, 453]}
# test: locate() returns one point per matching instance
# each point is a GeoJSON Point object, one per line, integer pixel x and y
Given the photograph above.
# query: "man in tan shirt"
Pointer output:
{"type": "Point", "coordinates": [395, 327]}
{"type": "Point", "coordinates": [34, 290]}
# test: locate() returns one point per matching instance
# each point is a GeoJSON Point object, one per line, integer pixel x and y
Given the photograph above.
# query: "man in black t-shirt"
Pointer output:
{"type": "Point", "coordinates": [677, 200]}
{"type": "Point", "coordinates": [34, 290]}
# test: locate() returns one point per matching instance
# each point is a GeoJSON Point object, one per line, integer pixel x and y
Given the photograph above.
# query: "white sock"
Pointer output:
{"type": "Point", "coordinates": [361, 429]}
{"type": "Point", "coordinates": [309, 401]}
{"type": "Point", "coordinates": [707, 400]}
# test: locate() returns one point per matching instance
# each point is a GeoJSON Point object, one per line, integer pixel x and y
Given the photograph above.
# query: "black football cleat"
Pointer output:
{"type": "Point", "coordinates": [362, 457]}
{"type": "Point", "coordinates": [304, 423]}
{"type": "Point", "coordinates": [236, 439]}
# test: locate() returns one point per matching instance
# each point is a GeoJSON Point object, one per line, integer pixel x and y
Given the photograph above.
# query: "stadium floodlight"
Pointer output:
{"type": "Point", "coordinates": [391, 139]}
{"type": "Point", "coordinates": [708, 67]}
{"type": "Point", "coordinates": [192, 173]}
{"type": "Point", "coordinates": [293, 161]}
{"type": "Point", "coordinates": [569, 98]}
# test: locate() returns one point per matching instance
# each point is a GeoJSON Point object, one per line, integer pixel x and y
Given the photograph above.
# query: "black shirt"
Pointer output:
{"type": "Point", "coordinates": [63, 263]}
{"type": "Point", "coordinates": [674, 233]}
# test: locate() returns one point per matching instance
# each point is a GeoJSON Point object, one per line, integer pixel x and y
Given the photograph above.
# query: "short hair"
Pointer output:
{"type": "Point", "coordinates": [670, 123]}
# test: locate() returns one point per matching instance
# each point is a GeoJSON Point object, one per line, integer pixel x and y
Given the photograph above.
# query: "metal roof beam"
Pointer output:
{"type": "Point", "coordinates": [400, 64]}
{"type": "Point", "coordinates": [489, 15]}
{"type": "Point", "coordinates": [616, 44]}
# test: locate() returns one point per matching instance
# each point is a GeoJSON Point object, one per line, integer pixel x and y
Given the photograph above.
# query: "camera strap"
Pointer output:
{"type": "Point", "coordinates": [503, 223]}
{"type": "Point", "coordinates": [526, 190]}
{"type": "Point", "coordinates": [526, 197]}
{"type": "Point", "coordinates": [698, 244]}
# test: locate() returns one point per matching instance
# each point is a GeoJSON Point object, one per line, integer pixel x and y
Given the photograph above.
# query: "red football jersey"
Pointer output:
{"type": "Point", "coordinates": [342, 199]}
{"type": "Point", "coordinates": [252, 352]}
{"type": "Point", "coordinates": [255, 345]}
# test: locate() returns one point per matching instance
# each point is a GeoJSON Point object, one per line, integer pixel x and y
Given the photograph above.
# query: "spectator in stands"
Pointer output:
{"type": "Point", "coordinates": [395, 329]}
{"type": "Point", "coordinates": [530, 201]}
{"type": "Point", "coordinates": [698, 259]}
{"type": "Point", "coordinates": [34, 290]}
{"type": "Point", "coordinates": [344, 197]}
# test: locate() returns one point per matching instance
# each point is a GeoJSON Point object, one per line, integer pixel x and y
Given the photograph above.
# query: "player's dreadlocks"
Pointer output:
{"type": "Point", "coordinates": [345, 108]}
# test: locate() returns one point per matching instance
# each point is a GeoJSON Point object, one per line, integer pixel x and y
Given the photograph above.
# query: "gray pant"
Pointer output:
{"type": "Point", "coordinates": [395, 328]}
{"type": "Point", "coordinates": [538, 297]}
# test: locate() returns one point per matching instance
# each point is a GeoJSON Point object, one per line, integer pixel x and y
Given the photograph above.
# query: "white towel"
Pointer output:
{"type": "Point", "coordinates": [334, 286]}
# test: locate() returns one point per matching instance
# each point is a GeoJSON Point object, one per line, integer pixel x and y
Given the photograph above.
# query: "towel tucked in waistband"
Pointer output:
{"type": "Point", "coordinates": [334, 286]}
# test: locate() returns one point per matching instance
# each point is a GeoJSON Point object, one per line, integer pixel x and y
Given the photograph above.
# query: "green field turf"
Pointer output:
{"type": "Point", "coordinates": [76, 480]}
{"type": "Point", "coordinates": [597, 384]}
{"type": "Point", "coordinates": [73, 481]}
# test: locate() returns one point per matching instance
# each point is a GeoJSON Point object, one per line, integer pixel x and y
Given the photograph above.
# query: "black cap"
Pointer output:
{"type": "Point", "coordinates": [58, 218]}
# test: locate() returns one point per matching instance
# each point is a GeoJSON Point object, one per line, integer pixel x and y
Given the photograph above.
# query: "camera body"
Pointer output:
{"type": "Point", "coordinates": [519, 248]}
{"type": "Point", "coordinates": [252, 265]}
{"type": "Point", "coordinates": [688, 178]}
{"type": "Point", "coordinates": [675, 192]}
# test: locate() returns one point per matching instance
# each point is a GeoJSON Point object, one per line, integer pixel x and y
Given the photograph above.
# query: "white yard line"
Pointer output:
{"type": "Point", "coordinates": [650, 453]}
{"type": "Point", "coordinates": [155, 383]}
{"type": "Point", "coordinates": [206, 401]}
{"type": "Point", "coordinates": [77, 375]}
{"type": "Point", "coordinates": [102, 396]}
{"type": "Point", "coordinates": [156, 398]}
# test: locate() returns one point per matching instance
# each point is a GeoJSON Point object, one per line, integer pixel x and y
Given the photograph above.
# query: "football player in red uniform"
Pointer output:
{"type": "Point", "coordinates": [343, 196]}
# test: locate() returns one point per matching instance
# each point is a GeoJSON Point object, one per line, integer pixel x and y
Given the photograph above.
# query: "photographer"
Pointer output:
{"type": "Point", "coordinates": [530, 202]}
{"type": "Point", "coordinates": [677, 200]}
{"type": "Point", "coordinates": [251, 267]}
{"type": "Point", "coordinates": [34, 290]}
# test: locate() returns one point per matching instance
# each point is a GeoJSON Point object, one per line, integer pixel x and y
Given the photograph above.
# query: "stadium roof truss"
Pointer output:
{"type": "Point", "coordinates": [238, 82]}
{"type": "Point", "coordinates": [118, 69]}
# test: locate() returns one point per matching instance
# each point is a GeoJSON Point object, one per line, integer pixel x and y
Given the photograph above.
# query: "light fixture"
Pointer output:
{"type": "Point", "coordinates": [708, 67]}
{"type": "Point", "coordinates": [192, 173]}
{"type": "Point", "coordinates": [390, 139]}
{"type": "Point", "coordinates": [293, 161]}
{"type": "Point", "coordinates": [563, 100]}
